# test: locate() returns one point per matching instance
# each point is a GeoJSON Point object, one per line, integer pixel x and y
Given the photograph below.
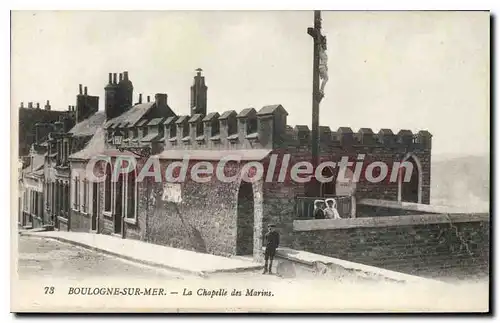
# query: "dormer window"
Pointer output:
{"type": "Point", "coordinates": [145, 131]}
{"type": "Point", "coordinates": [199, 129]}
{"type": "Point", "coordinates": [232, 127]}
{"type": "Point", "coordinates": [161, 130]}
{"type": "Point", "coordinates": [251, 125]}
{"type": "Point", "coordinates": [185, 131]}
{"type": "Point", "coordinates": [173, 131]}
{"type": "Point", "coordinates": [215, 128]}
{"type": "Point", "coordinates": [136, 132]}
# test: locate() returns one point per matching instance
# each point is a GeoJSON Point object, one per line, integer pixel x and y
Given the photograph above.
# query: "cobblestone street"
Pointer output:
{"type": "Point", "coordinates": [46, 257]}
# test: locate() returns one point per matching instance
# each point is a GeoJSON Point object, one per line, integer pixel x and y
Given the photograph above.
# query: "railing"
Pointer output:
{"type": "Point", "coordinates": [304, 206]}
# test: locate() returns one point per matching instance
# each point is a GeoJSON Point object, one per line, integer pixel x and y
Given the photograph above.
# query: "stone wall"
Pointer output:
{"type": "Point", "coordinates": [80, 222]}
{"type": "Point", "coordinates": [425, 245]}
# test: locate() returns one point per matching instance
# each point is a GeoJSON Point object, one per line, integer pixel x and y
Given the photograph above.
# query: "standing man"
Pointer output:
{"type": "Point", "coordinates": [272, 243]}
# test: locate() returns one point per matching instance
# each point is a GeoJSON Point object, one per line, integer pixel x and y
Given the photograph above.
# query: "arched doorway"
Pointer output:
{"type": "Point", "coordinates": [410, 180]}
{"type": "Point", "coordinates": [245, 219]}
{"type": "Point", "coordinates": [328, 188]}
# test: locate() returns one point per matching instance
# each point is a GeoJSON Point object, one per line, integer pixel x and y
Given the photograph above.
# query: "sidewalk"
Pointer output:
{"type": "Point", "coordinates": [151, 254]}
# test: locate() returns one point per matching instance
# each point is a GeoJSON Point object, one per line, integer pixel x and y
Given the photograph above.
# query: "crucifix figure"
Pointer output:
{"type": "Point", "coordinates": [320, 68]}
{"type": "Point", "coordinates": [323, 65]}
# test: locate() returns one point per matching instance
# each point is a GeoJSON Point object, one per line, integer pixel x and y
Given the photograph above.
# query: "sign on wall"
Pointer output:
{"type": "Point", "coordinates": [347, 186]}
{"type": "Point", "coordinates": [172, 192]}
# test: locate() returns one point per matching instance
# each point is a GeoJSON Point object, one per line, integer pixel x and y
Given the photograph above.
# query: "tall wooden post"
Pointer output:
{"type": "Point", "coordinates": [315, 33]}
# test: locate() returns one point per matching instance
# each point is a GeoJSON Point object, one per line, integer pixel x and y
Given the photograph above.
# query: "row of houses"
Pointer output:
{"type": "Point", "coordinates": [225, 218]}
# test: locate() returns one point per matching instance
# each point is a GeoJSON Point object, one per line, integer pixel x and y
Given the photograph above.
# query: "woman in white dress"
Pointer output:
{"type": "Point", "coordinates": [331, 209]}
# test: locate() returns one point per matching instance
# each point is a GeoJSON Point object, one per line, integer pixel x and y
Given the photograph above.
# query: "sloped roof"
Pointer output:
{"type": "Point", "coordinates": [94, 147]}
{"type": "Point", "coordinates": [132, 115]}
{"type": "Point", "coordinates": [37, 164]}
{"type": "Point", "coordinates": [89, 126]}
{"type": "Point", "coordinates": [155, 121]}
{"type": "Point", "coordinates": [271, 109]}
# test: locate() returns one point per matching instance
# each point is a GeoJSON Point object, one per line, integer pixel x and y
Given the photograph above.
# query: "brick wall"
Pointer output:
{"type": "Point", "coordinates": [428, 249]}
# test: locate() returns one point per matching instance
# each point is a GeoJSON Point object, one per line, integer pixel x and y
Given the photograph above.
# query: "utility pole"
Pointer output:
{"type": "Point", "coordinates": [315, 33]}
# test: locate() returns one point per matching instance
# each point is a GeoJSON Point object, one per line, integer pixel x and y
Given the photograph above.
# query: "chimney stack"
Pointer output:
{"type": "Point", "coordinates": [161, 100]}
{"type": "Point", "coordinates": [37, 133]}
{"type": "Point", "coordinates": [69, 107]}
{"type": "Point", "coordinates": [114, 78]}
{"type": "Point", "coordinates": [30, 105]}
{"type": "Point", "coordinates": [47, 106]}
{"type": "Point", "coordinates": [85, 90]}
{"type": "Point", "coordinates": [140, 99]}
{"type": "Point", "coordinates": [80, 89]}
{"type": "Point", "coordinates": [58, 126]}
{"type": "Point", "coordinates": [22, 104]}
{"type": "Point", "coordinates": [199, 94]}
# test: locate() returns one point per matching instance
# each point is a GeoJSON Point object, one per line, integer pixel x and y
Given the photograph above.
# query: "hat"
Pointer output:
{"type": "Point", "coordinates": [318, 201]}
{"type": "Point", "coordinates": [271, 225]}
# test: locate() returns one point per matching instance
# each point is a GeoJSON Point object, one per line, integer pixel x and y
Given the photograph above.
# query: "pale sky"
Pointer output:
{"type": "Point", "coordinates": [397, 70]}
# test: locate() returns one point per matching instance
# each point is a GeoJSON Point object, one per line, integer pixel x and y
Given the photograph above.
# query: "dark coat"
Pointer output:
{"type": "Point", "coordinates": [319, 214]}
{"type": "Point", "coordinates": [272, 240]}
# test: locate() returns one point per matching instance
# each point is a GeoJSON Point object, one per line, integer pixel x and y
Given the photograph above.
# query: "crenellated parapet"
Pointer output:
{"type": "Point", "coordinates": [257, 129]}
{"type": "Point", "coordinates": [300, 135]}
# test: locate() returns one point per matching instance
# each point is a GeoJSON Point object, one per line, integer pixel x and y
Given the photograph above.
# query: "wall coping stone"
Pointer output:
{"type": "Point", "coordinates": [387, 221]}
{"type": "Point", "coordinates": [309, 259]}
{"type": "Point", "coordinates": [419, 207]}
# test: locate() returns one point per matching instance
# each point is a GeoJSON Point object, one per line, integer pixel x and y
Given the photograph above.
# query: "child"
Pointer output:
{"type": "Point", "coordinates": [272, 243]}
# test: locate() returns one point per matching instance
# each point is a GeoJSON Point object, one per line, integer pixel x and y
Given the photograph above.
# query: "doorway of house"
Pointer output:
{"type": "Point", "coordinates": [245, 220]}
{"type": "Point", "coordinates": [409, 189]}
{"type": "Point", "coordinates": [94, 207]}
{"type": "Point", "coordinates": [118, 205]}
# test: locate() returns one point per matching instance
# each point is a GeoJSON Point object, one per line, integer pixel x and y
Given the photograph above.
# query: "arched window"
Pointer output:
{"type": "Point", "coordinates": [107, 189]}
{"type": "Point", "coordinates": [328, 188]}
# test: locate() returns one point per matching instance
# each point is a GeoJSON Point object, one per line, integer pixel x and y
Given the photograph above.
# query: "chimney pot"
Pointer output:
{"type": "Point", "coordinates": [69, 107]}
{"type": "Point", "coordinates": [110, 78]}
{"type": "Point", "coordinates": [30, 105]}
{"type": "Point", "coordinates": [38, 105]}
{"type": "Point", "coordinates": [80, 88]}
{"type": "Point", "coordinates": [148, 98]}
{"type": "Point", "coordinates": [125, 76]}
{"type": "Point", "coordinates": [85, 90]}
{"type": "Point", "coordinates": [140, 99]}
{"type": "Point", "coordinates": [114, 78]}
{"type": "Point", "coordinates": [22, 104]}
{"type": "Point", "coordinates": [121, 77]}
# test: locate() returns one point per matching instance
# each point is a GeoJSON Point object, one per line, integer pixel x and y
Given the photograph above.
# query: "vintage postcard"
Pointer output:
{"type": "Point", "coordinates": [250, 161]}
